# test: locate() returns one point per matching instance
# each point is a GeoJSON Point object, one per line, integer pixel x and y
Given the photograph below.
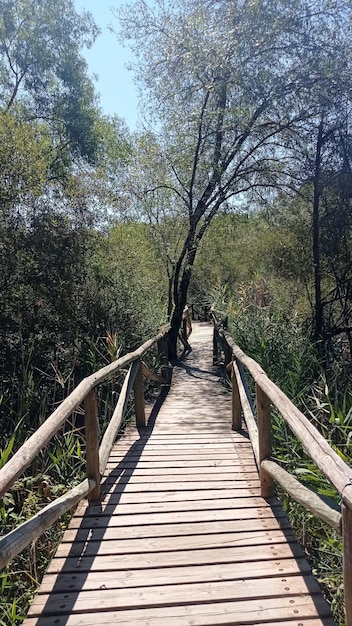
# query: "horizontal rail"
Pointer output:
{"type": "Point", "coordinates": [27, 453]}
{"type": "Point", "coordinates": [117, 417]}
{"type": "Point", "coordinates": [312, 501]}
{"type": "Point", "coordinates": [18, 539]}
{"type": "Point", "coordinates": [328, 461]}
{"type": "Point", "coordinates": [247, 412]}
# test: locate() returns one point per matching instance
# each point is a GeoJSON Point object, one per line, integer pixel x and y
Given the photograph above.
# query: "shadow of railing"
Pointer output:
{"type": "Point", "coordinates": [89, 536]}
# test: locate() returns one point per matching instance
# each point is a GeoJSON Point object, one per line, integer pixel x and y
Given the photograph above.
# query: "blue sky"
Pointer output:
{"type": "Point", "coordinates": [107, 59]}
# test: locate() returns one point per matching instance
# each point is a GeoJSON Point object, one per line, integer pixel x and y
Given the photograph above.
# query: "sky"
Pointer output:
{"type": "Point", "coordinates": [107, 58]}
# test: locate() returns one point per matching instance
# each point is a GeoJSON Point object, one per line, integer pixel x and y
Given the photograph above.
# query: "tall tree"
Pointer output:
{"type": "Point", "coordinates": [222, 81]}
{"type": "Point", "coordinates": [42, 72]}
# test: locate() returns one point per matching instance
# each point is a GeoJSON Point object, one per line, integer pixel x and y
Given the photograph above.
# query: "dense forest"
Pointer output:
{"type": "Point", "coordinates": [236, 191]}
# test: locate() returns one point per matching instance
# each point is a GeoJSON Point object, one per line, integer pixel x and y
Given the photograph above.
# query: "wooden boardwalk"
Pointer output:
{"type": "Point", "coordinates": [181, 536]}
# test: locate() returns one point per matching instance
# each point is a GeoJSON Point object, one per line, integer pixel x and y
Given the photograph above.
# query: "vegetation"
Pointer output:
{"type": "Point", "coordinates": [237, 190]}
{"type": "Point", "coordinates": [252, 82]}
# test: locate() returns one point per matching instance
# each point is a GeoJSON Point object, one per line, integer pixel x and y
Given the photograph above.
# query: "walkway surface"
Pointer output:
{"type": "Point", "coordinates": [181, 536]}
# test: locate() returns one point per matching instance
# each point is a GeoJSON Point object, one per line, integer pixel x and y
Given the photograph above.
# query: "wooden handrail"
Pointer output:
{"type": "Point", "coordinates": [312, 501]}
{"type": "Point", "coordinates": [25, 455]}
{"type": "Point", "coordinates": [18, 539]}
{"type": "Point", "coordinates": [327, 460]}
{"type": "Point", "coordinates": [97, 457]}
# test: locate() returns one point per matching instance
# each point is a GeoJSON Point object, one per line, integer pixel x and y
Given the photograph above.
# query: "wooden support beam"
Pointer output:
{"type": "Point", "coordinates": [228, 356]}
{"type": "Point", "coordinates": [265, 441]}
{"type": "Point", "coordinates": [139, 406]}
{"type": "Point", "coordinates": [92, 443]}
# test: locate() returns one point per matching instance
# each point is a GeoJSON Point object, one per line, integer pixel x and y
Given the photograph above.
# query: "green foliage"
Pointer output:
{"type": "Point", "coordinates": [23, 166]}
{"type": "Point", "coordinates": [39, 48]}
{"type": "Point", "coordinates": [138, 275]}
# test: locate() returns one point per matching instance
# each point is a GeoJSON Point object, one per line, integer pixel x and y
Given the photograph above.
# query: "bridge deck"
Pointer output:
{"type": "Point", "coordinates": [182, 535]}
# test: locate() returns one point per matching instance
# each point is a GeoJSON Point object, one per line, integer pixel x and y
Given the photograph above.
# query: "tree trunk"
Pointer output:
{"type": "Point", "coordinates": [318, 306]}
{"type": "Point", "coordinates": [180, 297]}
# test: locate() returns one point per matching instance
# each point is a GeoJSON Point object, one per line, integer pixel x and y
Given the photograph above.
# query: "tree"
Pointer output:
{"type": "Point", "coordinates": [223, 81]}
{"type": "Point", "coordinates": [42, 73]}
{"type": "Point", "coordinates": [331, 229]}
{"type": "Point", "coordinates": [322, 159]}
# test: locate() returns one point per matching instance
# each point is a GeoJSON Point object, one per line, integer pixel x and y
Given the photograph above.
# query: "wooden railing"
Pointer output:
{"type": "Point", "coordinates": [259, 429]}
{"type": "Point", "coordinates": [96, 455]}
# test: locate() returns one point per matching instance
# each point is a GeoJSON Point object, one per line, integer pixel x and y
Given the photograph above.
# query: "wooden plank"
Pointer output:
{"type": "Point", "coordinates": [185, 464]}
{"type": "Point", "coordinates": [276, 587]}
{"type": "Point", "coordinates": [175, 434]}
{"type": "Point", "coordinates": [247, 410]}
{"type": "Point", "coordinates": [139, 404]}
{"type": "Point", "coordinates": [180, 447]}
{"type": "Point", "coordinates": [185, 485]}
{"type": "Point", "coordinates": [101, 547]}
{"type": "Point", "coordinates": [211, 469]}
{"type": "Point", "coordinates": [173, 575]}
{"type": "Point", "coordinates": [103, 532]}
{"type": "Point", "coordinates": [172, 501]}
{"type": "Point", "coordinates": [236, 401]}
{"type": "Point", "coordinates": [222, 614]}
{"type": "Point", "coordinates": [161, 515]}
{"type": "Point", "coordinates": [117, 416]}
{"type": "Point", "coordinates": [241, 554]}
{"type": "Point", "coordinates": [178, 454]}
{"type": "Point", "coordinates": [184, 426]}
{"type": "Point", "coordinates": [264, 441]}
{"type": "Point", "coordinates": [169, 475]}
{"type": "Point", "coordinates": [135, 504]}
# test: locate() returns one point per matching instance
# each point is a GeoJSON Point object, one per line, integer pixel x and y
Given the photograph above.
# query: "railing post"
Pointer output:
{"type": "Point", "coordinates": [92, 442]}
{"type": "Point", "coordinates": [139, 407]}
{"type": "Point", "coordinates": [264, 441]}
{"type": "Point", "coordinates": [347, 560]}
{"type": "Point", "coordinates": [236, 403]}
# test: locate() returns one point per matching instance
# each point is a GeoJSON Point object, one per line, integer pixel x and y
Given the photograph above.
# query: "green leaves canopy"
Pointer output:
{"type": "Point", "coordinates": [42, 73]}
